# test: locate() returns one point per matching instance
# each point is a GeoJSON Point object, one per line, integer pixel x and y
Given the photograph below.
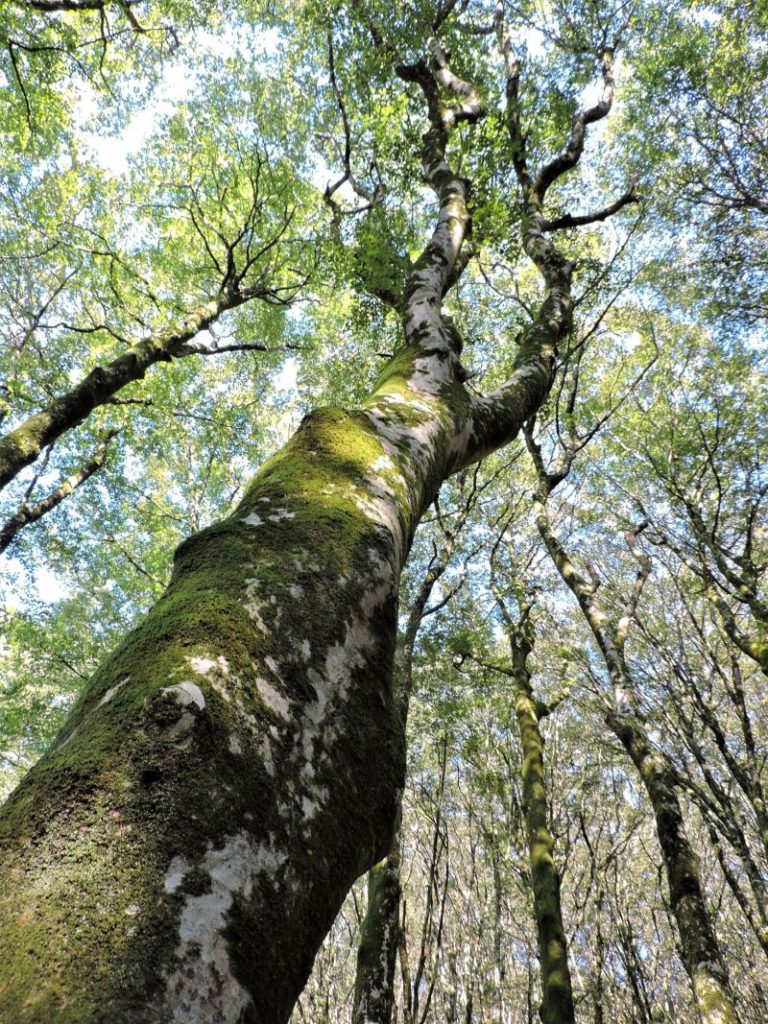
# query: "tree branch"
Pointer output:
{"type": "Point", "coordinates": [570, 156]}
{"type": "Point", "coordinates": [569, 220]}
{"type": "Point", "coordinates": [27, 514]}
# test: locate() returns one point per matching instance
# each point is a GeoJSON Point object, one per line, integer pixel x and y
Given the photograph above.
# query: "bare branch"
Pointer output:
{"type": "Point", "coordinates": [571, 155]}
{"type": "Point", "coordinates": [569, 220]}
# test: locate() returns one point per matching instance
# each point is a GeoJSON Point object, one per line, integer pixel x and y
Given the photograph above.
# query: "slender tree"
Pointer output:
{"type": "Point", "coordinates": [557, 1004]}
{"type": "Point", "coordinates": [701, 952]}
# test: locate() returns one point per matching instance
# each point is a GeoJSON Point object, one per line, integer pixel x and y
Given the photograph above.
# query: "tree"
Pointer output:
{"type": "Point", "coordinates": [238, 761]}
{"type": "Point", "coordinates": [235, 764]}
{"type": "Point", "coordinates": [701, 953]}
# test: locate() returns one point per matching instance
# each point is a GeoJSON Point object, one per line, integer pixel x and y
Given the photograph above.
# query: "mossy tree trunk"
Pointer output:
{"type": "Point", "coordinates": [556, 989]}
{"type": "Point", "coordinates": [698, 943]}
{"type": "Point", "coordinates": [380, 931]}
{"type": "Point", "coordinates": [181, 851]}
{"type": "Point", "coordinates": [556, 1005]}
{"type": "Point", "coordinates": [377, 952]}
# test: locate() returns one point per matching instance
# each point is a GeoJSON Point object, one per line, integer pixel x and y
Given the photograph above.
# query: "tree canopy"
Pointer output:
{"type": "Point", "coordinates": [217, 218]}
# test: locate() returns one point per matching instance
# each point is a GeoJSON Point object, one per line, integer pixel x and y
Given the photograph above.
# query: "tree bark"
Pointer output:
{"type": "Point", "coordinates": [380, 931]}
{"type": "Point", "coordinates": [698, 943]}
{"type": "Point", "coordinates": [181, 851]}
{"type": "Point", "coordinates": [22, 445]}
{"type": "Point", "coordinates": [556, 990]}
{"type": "Point", "coordinates": [557, 1006]}
{"type": "Point", "coordinates": [377, 952]}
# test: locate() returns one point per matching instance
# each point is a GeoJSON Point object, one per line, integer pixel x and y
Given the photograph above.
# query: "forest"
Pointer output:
{"type": "Point", "coordinates": [383, 493]}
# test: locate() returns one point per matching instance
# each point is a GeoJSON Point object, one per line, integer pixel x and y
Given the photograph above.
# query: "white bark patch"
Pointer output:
{"type": "Point", "coordinates": [460, 445]}
{"type": "Point", "coordinates": [384, 462]}
{"type": "Point", "coordinates": [315, 710]}
{"type": "Point", "coordinates": [69, 738]}
{"type": "Point", "coordinates": [253, 605]}
{"type": "Point", "coordinates": [265, 750]}
{"type": "Point", "coordinates": [210, 666]}
{"type": "Point", "coordinates": [280, 514]}
{"type": "Point", "coordinates": [421, 438]}
{"type": "Point", "coordinates": [112, 691]}
{"type": "Point", "coordinates": [342, 659]}
{"type": "Point", "coordinates": [309, 808]}
{"type": "Point", "coordinates": [388, 432]}
{"type": "Point", "coordinates": [381, 567]}
{"type": "Point", "coordinates": [202, 988]}
{"type": "Point", "coordinates": [274, 700]}
{"type": "Point", "coordinates": [215, 671]}
{"type": "Point", "coordinates": [306, 650]}
{"type": "Point", "coordinates": [253, 520]}
{"type": "Point", "coordinates": [176, 871]}
{"type": "Point", "coordinates": [187, 693]}
{"type": "Point", "coordinates": [383, 510]}
{"type": "Point", "coordinates": [375, 597]}
{"type": "Point", "coordinates": [334, 680]}
{"type": "Point", "coordinates": [430, 375]}
{"type": "Point", "coordinates": [180, 731]}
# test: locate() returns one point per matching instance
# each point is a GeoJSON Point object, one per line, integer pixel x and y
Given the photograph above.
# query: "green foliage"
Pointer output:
{"type": "Point", "coordinates": [144, 169]}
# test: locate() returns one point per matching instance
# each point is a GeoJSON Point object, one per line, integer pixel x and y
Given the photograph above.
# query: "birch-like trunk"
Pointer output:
{"type": "Point", "coordinates": [380, 930]}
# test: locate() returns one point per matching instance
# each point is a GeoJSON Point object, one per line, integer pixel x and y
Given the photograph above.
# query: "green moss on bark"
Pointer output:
{"type": "Point", "coordinates": [142, 774]}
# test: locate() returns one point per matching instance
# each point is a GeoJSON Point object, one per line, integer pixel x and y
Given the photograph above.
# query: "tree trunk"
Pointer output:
{"type": "Point", "coordinates": [237, 762]}
{"type": "Point", "coordinates": [377, 952]}
{"type": "Point", "coordinates": [556, 990]}
{"type": "Point", "coordinates": [233, 767]}
{"type": "Point", "coordinates": [699, 946]}
{"type": "Point", "coordinates": [557, 1005]}
{"type": "Point", "coordinates": [700, 949]}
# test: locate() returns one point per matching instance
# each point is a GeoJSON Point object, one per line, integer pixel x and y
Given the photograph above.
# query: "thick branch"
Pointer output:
{"type": "Point", "coordinates": [22, 445]}
{"type": "Point", "coordinates": [425, 326]}
{"type": "Point", "coordinates": [514, 124]}
{"type": "Point", "coordinates": [570, 156]}
{"type": "Point", "coordinates": [28, 514]}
